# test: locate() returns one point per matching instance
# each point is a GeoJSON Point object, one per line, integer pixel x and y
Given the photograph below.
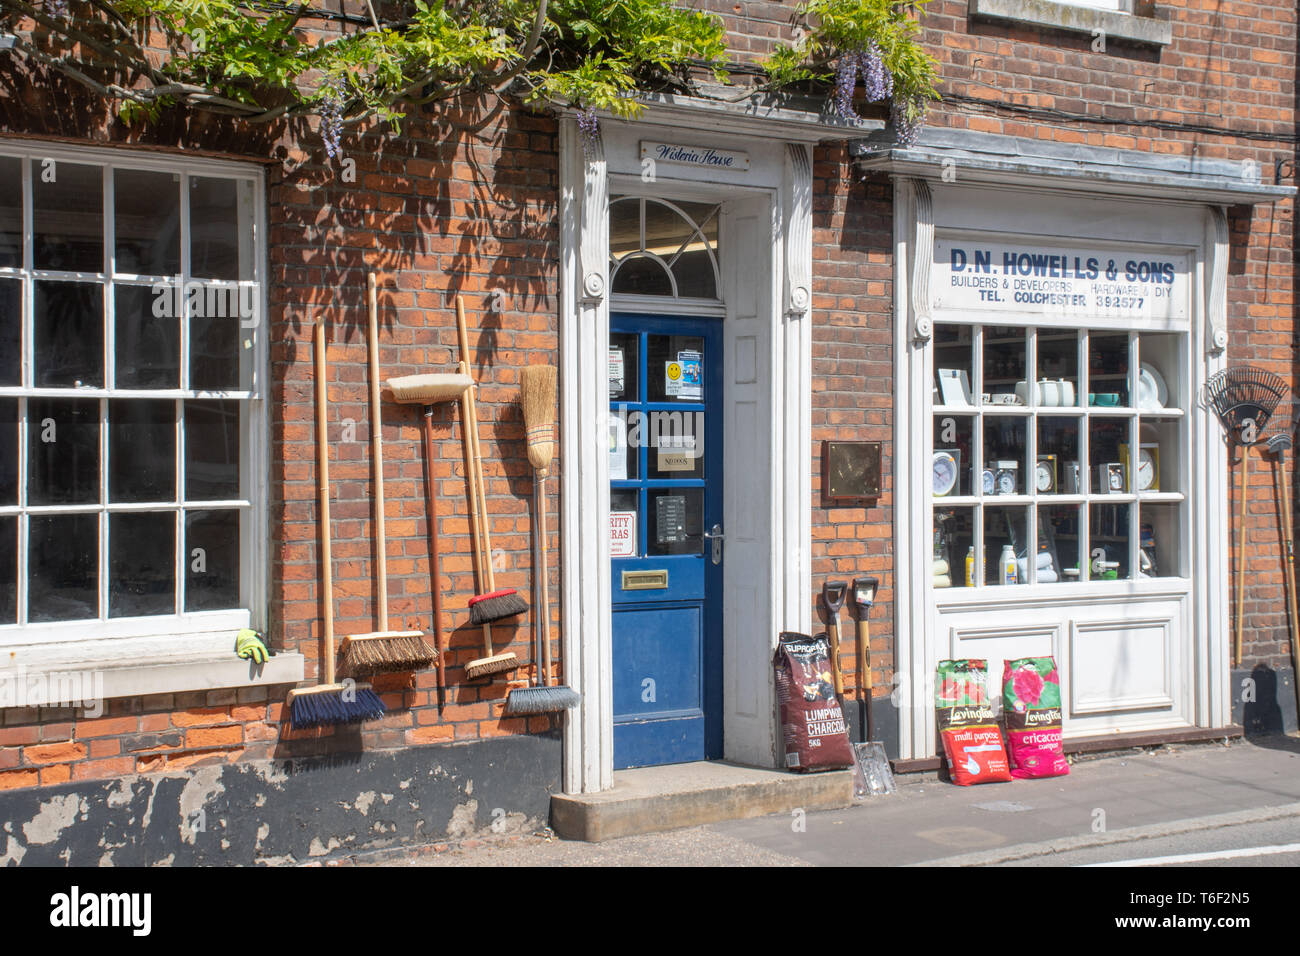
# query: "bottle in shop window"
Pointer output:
{"type": "Point", "coordinates": [1007, 565]}
{"type": "Point", "coordinates": [970, 566]}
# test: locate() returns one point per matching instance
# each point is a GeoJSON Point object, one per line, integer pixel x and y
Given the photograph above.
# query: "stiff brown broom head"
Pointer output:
{"type": "Point", "coordinates": [537, 396]}
{"type": "Point", "coordinates": [491, 665]}
{"type": "Point", "coordinates": [387, 651]}
{"type": "Point", "coordinates": [486, 608]}
{"type": "Point", "coordinates": [430, 388]}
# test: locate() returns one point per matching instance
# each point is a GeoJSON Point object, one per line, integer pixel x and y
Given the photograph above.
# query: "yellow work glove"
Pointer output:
{"type": "Point", "coordinates": [249, 645]}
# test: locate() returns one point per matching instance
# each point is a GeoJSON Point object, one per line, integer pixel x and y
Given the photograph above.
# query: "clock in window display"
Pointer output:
{"type": "Point", "coordinates": [1045, 475]}
{"type": "Point", "coordinates": [1007, 477]}
{"type": "Point", "coordinates": [946, 472]}
{"type": "Point", "coordinates": [1148, 466]}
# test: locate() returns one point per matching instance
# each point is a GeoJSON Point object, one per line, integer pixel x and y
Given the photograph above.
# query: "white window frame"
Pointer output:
{"type": "Point", "coordinates": [198, 632]}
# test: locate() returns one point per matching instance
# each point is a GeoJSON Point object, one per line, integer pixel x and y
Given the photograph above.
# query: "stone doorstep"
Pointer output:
{"type": "Point", "coordinates": [654, 799]}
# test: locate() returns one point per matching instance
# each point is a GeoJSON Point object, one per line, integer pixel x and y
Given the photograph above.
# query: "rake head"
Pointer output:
{"type": "Point", "coordinates": [1244, 398]}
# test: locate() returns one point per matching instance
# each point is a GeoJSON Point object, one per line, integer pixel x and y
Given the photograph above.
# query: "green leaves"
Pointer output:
{"type": "Point", "coordinates": [831, 28]}
{"type": "Point", "coordinates": [263, 59]}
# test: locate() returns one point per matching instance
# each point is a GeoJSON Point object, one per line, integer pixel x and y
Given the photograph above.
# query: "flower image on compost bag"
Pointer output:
{"type": "Point", "coordinates": [972, 739]}
{"type": "Point", "coordinates": [1031, 705]}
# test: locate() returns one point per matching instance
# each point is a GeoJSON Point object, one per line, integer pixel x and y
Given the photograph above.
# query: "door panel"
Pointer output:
{"type": "Point", "coordinates": [665, 494]}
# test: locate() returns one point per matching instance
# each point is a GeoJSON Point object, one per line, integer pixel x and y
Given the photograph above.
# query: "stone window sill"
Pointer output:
{"type": "Point", "coordinates": [1061, 16]}
{"type": "Point", "coordinates": [135, 667]}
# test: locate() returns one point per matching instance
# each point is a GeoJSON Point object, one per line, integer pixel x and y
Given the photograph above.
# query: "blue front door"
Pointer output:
{"type": "Point", "coordinates": [665, 384]}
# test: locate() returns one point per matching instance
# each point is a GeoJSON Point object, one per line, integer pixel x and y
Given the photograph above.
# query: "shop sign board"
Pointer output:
{"type": "Point", "coordinates": [1062, 280]}
{"type": "Point", "coordinates": [705, 157]}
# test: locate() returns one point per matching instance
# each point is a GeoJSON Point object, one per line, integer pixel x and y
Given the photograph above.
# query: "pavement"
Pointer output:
{"type": "Point", "coordinates": [1199, 801]}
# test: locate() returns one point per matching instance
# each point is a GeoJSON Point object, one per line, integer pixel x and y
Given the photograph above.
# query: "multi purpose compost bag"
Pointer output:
{"type": "Point", "coordinates": [972, 739]}
{"type": "Point", "coordinates": [1031, 706]}
{"type": "Point", "coordinates": [812, 721]}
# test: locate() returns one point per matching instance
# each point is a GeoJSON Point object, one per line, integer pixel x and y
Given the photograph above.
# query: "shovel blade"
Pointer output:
{"type": "Point", "coordinates": [871, 773]}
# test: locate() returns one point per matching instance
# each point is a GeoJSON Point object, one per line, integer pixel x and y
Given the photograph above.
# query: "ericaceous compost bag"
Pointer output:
{"type": "Point", "coordinates": [972, 739]}
{"type": "Point", "coordinates": [1031, 706]}
{"type": "Point", "coordinates": [812, 721]}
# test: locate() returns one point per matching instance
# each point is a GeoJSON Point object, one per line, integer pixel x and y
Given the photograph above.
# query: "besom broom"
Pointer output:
{"type": "Point", "coordinates": [383, 650]}
{"type": "Point", "coordinates": [329, 703]}
{"type": "Point", "coordinates": [537, 397]}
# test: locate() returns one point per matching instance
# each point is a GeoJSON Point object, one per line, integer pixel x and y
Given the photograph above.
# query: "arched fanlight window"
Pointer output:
{"type": "Point", "coordinates": [664, 248]}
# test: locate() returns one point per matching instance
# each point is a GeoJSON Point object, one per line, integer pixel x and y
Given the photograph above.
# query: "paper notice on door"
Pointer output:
{"type": "Point", "coordinates": [683, 379]}
{"type": "Point", "coordinates": [617, 448]}
{"type": "Point", "coordinates": [622, 534]}
{"type": "Point", "coordinates": [616, 385]}
{"type": "Point", "coordinates": [676, 452]}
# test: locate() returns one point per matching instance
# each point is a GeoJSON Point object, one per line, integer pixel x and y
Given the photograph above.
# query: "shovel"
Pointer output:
{"type": "Point", "coordinates": [873, 774]}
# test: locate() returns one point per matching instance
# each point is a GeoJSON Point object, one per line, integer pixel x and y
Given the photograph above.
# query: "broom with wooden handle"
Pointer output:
{"type": "Point", "coordinates": [490, 663]}
{"type": "Point", "coordinates": [493, 605]}
{"type": "Point", "coordinates": [537, 396]}
{"type": "Point", "coordinates": [329, 703]}
{"type": "Point", "coordinates": [429, 390]}
{"type": "Point", "coordinates": [382, 650]}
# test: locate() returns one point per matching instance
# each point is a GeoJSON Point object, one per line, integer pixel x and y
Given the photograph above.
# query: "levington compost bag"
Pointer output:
{"type": "Point", "coordinates": [812, 721]}
{"type": "Point", "coordinates": [972, 739]}
{"type": "Point", "coordinates": [1031, 706]}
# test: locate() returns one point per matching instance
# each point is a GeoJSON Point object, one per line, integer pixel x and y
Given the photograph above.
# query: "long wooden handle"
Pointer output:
{"type": "Point", "coordinates": [462, 333]}
{"type": "Point", "coordinates": [834, 631]}
{"type": "Point", "coordinates": [435, 576]}
{"type": "Point", "coordinates": [540, 571]}
{"type": "Point", "coordinates": [1241, 560]}
{"type": "Point", "coordinates": [377, 453]}
{"type": "Point", "coordinates": [1288, 547]}
{"type": "Point", "coordinates": [322, 446]}
{"type": "Point", "coordinates": [467, 441]}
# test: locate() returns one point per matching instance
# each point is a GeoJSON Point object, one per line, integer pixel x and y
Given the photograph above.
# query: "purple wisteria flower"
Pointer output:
{"type": "Point", "coordinates": [331, 117]}
{"type": "Point", "coordinates": [877, 81]}
{"type": "Point", "coordinates": [589, 126]}
{"type": "Point", "coordinates": [907, 114]}
{"type": "Point", "coordinates": [57, 8]}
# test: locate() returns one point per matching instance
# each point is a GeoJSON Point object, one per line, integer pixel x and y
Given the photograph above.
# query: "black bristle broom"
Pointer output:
{"type": "Point", "coordinates": [329, 703]}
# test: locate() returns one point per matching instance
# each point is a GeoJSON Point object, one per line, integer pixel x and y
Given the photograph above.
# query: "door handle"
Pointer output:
{"type": "Point", "coordinates": [715, 536]}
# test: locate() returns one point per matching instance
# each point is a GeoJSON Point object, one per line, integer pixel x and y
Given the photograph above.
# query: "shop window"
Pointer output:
{"type": "Point", "coordinates": [663, 248]}
{"type": "Point", "coordinates": [1067, 444]}
{"type": "Point", "coordinates": [129, 416]}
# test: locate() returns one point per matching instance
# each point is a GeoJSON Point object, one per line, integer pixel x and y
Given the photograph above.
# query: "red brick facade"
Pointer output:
{"type": "Point", "coordinates": [465, 201]}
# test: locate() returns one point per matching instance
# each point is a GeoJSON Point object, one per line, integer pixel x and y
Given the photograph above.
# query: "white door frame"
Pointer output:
{"type": "Point", "coordinates": [783, 170]}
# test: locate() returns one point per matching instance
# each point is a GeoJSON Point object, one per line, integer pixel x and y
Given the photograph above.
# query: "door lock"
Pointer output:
{"type": "Point", "coordinates": [715, 536]}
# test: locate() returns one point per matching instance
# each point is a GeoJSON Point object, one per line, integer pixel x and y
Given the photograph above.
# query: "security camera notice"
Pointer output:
{"type": "Point", "coordinates": [1201, 910]}
{"type": "Point", "coordinates": [1118, 283]}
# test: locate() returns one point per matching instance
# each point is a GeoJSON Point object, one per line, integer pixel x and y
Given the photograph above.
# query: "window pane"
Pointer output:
{"type": "Point", "coordinates": [1058, 364]}
{"type": "Point", "coordinates": [147, 348]}
{"type": "Point", "coordinates": [1004, 455]}
{"type": "Point", "coordinates": [1056, 471]}
{"type": "Point", "coordinates": [147, 222]}
{"type": "Point", "coordinates": [1059, 531]}
{"type": "Point", "coordinates": [8, 451]}
{"type": "Point", "coordinates": [693, 271]}
{"type": "Point", "coordinates": [214, 351]}
{"type": "Point", "coordinates": [952, 465]}
{"type": "Point", "coordinates": [211, 560]}
{"type": "Point", "coordinates": [211, 450]}
{"type": "Point", "coordinates": [68, 216]}
{"type": "Point", "coordinates": [11, 332]}
{"type": "Point", "coordinates": [141, 564]}
{"type": "Point", "coordinates": [639, 275]}
{"type": "Point", "coordinates": [675, 368]}
{"type": "Point", "coordinates": [665, 230]}
{"type": "Point", "coordinates": [1108, 537]}
{"type": "Point", "coordinates": [1108, 363]}
{"type": "Point", "coordinates": [676, 521]}
{"type": "Point", "coordinates": [1004, 365]}
{"type": "Point", "coordinates": [624, 367]}
{"type": "Point", "coordinates": [69, 331]}
{"type": "Point", "coordinates": [1161, 554]}
{"type": "Point", "coordinates": [63, 567]}
{"type": "Point", "coordinates": [141, 450]}
{"type": "Point", "coordinates": [676, 445]}
{"type": "Point", "coordinates": [220, 235]}
{"type": "Point", "coordinates": [62, 451]}
{"type": "Point", "coordinates": [624, 227]}
{"type": "Point", "coordinates": [952, 559]}
{"type": "Point", "coordinates": [11, 211]}
{"type": "Point", "coordinates": [624, 524]}
{"type": "Point", "coordinates": [9, 570]}
{"type": "Point", "coordinates": [1006, 535]}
